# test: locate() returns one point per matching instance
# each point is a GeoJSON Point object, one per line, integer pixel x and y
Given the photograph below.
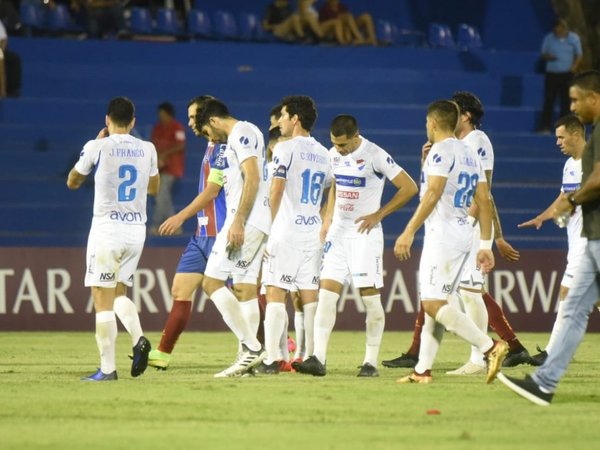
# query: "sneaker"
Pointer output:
{"type": "Point", "coordinates": [540, 358]}
{"type": "Point", "coordinates": [101, 376]}
{"type": "Point", "coordinates": [515, 358]}
{"type": "Point", "coordinates": [159, 360]}
{"type": "Point", "coordinates": [495, 356]}
{"type": "Point", "coordinates": [469, 368]}
{"type": "Point", "coordinates": [285, 366]}
{"type": "Point", "coordinates": [405, 360]}
{"type": "Point", "coordinates": [527, 388]}
{"type": "Point", "coordinates": [268, 369]}
{"type": "Point", "coordinates": [367, 370]}
{"type": "Point", "coordinates": [140, 357]}
{"type": "Point", "coordinates": [311, 366]}
{"type": "Point", "coordinates": [246, 360]}
{"type": "Point", "coordinates": [414, 377]}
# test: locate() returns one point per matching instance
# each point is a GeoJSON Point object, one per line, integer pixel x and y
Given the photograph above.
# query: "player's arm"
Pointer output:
{"type": "Point", "coordinates": [276, 194]}
{"type": "Point", "coordinates": [435, 188]}
{"type": "Point", "coordinates": [327, 212]}
{"type": "Point", "coordinates": [407, 189]}
{"type": "Point", "coordinates": [251, 177]}
{"type": "Point", "coordinates": [75, 179]}
{"type": "Point", "coordinates": [154, 185]}
{"type": "Point", "coordinates": [485, 257]}
{"type": "Point", "coordinates": [539, 220]}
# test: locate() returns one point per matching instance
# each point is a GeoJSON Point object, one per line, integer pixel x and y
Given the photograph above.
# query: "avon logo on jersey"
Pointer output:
{"type": "Point", "coordinates": [307, 220]}
{"type": "Point", "coordinates": [347, 180]}
{"type": "Point", "coordinates": [348, 194]}
{"type": "Point", "coordinates": [126, 216]}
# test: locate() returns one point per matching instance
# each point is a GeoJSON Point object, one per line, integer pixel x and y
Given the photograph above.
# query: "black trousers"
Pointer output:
{"type": "Point", "coordinates": [12, 67]}
{"type": "Point", "coordinates": [556, 85]}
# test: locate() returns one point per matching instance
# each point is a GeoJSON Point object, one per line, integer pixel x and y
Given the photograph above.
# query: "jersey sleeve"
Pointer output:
{"type": "Point", "coordinates": [217, 164]}
{"type": "Point", "coordinates": [485, 152]}
{"type": "Point", "coordinates": [88, 158]}
{"type": "Point", "coordinates": [383, 163]}
{"type": "Point", "coordinates": [244, 143]}
{"type": "Point", "coordinates": [439, 162]}
{"type": "Point", "coordinates": [282, 160]}
{"type": "Point", "coordinates": [153, 160]}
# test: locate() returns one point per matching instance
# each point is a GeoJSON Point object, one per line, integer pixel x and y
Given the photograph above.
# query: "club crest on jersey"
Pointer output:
{"type": "Point", "coordinates": [360, 163]}
{"type": "Point", "coordinates": [436, 158]}
{"type": "Point", "coordinates": [347, 180]}
{"type": "Point", "coordinates": [481, 152]}
{"type": "Point", "coordinates": [244, 140]}
{"type": "Point", "coordinates": [390, 161]}
{"type": "Point", "coordinates": [82, 153]}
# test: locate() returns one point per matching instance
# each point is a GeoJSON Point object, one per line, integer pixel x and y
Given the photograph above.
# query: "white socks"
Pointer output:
{"type": "Point", "coordinates": [274, 324]}
{"type": "Point", "coordinates": [127, 313]}
{"type": "Point", "coordinates": [251, 313]}
{"type": "Point", "coordinates": [431, 338]}
{"type": "Point", "coordinates": [324, 323]}
{"type": "Point", "coordinates": [230, 309]}
{"type": "Point", "coordinates": [310, 311]}
{"type": "Point", "coordinates": [299, 330]}
{"type": "Point", "coordinates": [459, 324]}
{"type": "Point", "coordinates": [557, 326]}
{"type": "Point", "coordinates": [375, 323]}
{"type": "Point", "coordinates": [106, 338]}
{"type": "Point", "coordinates": [284, 351]}
{"type": "Point", "coordinates": [476, 311]}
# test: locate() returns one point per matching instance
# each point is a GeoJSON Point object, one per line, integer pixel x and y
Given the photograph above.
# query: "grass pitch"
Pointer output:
{"type": "Point", "coordinates": [43, 404]}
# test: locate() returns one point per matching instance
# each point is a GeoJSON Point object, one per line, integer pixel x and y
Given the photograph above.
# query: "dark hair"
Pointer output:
{"type": "Point", "coordinates": [588, 81]}
{"type": "Point", "coordinates": [168, 108]}
{"type": "Point", "coordinates": [344, 125]}
{"type": "Point", "coordinates": [210, 108]}
{"type": "Point", "coordinates": [446, 113]}
{"type": "Point", "coordinates": [571, 123]}
{"type": "Point", "coordinates": [121, 111]}
{"type": "Point", "coordinates": [200, 99]}
{"type": "Point", "coordinates": [560, 21]}
{"type": "Point", "coordinates": [276, 111]}
{"type": "Point", "coordinates": [469, 103]}
{"type": "Point", "coordinates": [302, 106]}
{"type": "Point", "coordinates": [274, 134]}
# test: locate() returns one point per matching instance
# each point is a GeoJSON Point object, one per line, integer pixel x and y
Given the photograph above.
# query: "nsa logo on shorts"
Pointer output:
{"type": "Point", "coordinates": [447, 288]}
{"type": "Point", "coordinates": [242, 264]}
{"type": "Point", "coordinates": [107, 276]}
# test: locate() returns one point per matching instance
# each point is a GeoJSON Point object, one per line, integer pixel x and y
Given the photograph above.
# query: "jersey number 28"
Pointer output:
{"type": "Point", "coordinates": [467, 184]}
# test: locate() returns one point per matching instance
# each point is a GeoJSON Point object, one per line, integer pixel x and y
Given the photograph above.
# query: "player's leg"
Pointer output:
{"type": "Point", "coordinates": [275, 316]}
{"type": "Point", "coordinates": [127, 313]}
{"type": "Point", "coordinates": [365, 22]}
{"type": "Point", "coordinates": [299, 329]}
{"type": "Point", "coordinates": [410, 358]}
{"type": "Point", "coordinates": [350, 25]}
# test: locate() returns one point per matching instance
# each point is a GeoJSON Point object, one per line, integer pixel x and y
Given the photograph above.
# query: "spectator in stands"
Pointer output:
{"type": "Point", "coordinates": [282, 21]}
{"type": "Point", "coordinates": [9, 16]}
{"type": "Point", "coordinates": [309, 19]}
{"type": "Point", "coordinates": [351, 26]}
{"type": "Point", "coordinates": [10, 68]}
{"type": "Point", "coordinates": [168, 135]}
{"type": "Point", "coordinates": [562, 52]}
{"type": "Point", "coordinates": [102, 17]}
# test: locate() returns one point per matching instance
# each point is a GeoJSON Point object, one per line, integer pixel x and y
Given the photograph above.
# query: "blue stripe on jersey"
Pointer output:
{"type": "Point", "coordinates": [216, 210]}
{"type": "Point", "coordinates": [570, 187]}
{"type": "Point", "coordinates": [348, 180]}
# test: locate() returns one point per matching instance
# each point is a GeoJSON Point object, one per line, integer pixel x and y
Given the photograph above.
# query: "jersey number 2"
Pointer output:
{"type": "Point", "coordinates": [312, 185]}
{"type": "Point", "coordinates": [129, 174]}
{"type": "Point", "coordinates": [467, 185]}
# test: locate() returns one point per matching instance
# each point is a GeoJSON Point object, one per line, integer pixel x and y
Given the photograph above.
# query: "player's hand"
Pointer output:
{"type": "Point", "coordinates": [485, 260]}
{"type": "Point", "coordinates": [535, 222]}
{"type": "Point", "coordinates": [102, 133]}
{"type": "Point", "coordinates": [562, 207]}
{"type": "Point", "coordinates": [235, 235]}
{"type": "Point", "coordinates": [425, 150]}
{"type": "Point", "coordinates": [170, 226]}
{"type": "Point", "coordinates": [368, 222]}
{"type": "Point", "coordinates": [506, 250]}
{"type": "Point", "coordinates": [403, 245]}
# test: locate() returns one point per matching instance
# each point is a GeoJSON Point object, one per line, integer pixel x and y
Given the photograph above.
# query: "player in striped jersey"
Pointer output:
{"type": "Point", "coordinates": [209, 207]}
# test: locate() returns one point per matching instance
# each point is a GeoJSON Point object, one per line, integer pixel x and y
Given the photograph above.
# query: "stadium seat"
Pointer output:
{"type": "Point", "coordinates": [166, 22]}
{"type": "Point", "coordinates": [141, 21]}
{"type": "Point", "coordinates": [198, 24]}
{"type": "Point", "coordinates": [440, 36]}
{"type": "Point", "coordinates": [468, 37]}
{"type": "Point", "coordinates": [385, 32]}
{"type": "Point", "coordinates": [224, 25]}
{"type": "Point", "coordinates": [59, 19]}
{"type": "Point", "coordinates": [32, 16]}
{"type": "Point", "coordinates": [249, 27]}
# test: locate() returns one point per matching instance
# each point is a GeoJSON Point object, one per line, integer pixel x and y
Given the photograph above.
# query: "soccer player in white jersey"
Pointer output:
{"type": "Point", "coordinates": [239, 247]}
{"type": "Point", "coordinates": [354, 237]}
{"type": "Point", "coordinates": [452, 177]}
{"type": "Point", "coordinates": [570, 137]}
{"type": "Point", "coordinates": [125, 173]}
{"type": "Point", "coordinates": [294, 249]}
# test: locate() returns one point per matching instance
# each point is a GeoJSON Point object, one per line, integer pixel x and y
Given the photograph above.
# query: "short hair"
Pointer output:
{"type": "Point", "coordinates": [274, 134]}
{"type": "Point", "coordinates": [302, 106]}
{"type": "Point", "coordinates": [560, 22]}
{"type": "Point", "coordinates": [469, 103]}
{"type": "Point", "coordinates": [446, 112]}
{"type": "Point", "coordinates": [200, 99]}
{"type": "Point", "coordinates": [210, 108]}
{"type": "Point", "coordinates": [121, 111]}
{"type": "Point", "coordinates": [344, 125]}
{"type": "Point", "coordinates": [571, 123]}
{"type": "Point", "coordinates": [588, 81]}
{"type": "Point", "coordinates": [168, 108]}
{"type": "Point", "coordinates": [276, 111]}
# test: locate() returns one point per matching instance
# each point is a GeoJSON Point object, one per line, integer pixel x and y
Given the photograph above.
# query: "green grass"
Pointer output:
{"type": "Point", "coordinates": [43, 404]}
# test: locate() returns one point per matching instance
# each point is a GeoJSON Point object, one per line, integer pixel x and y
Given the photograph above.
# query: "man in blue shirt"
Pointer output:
{"type": "Point", "coordinates": [562, 52]}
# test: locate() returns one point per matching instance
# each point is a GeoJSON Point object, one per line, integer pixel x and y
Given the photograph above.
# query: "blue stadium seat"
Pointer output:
{"type": "Point", "coordinates": [440, 36]}
{"type": "Point", "coordinates": [198, 24]}
{"type": "Point", "coordinates": [468, 37]}
{"type": "Point", "coordinates": [249, 27]}
{"type": "Point", "coordinates": [140, 21]}
{"type": "Point", "coordinates": [32, 16]}
{"type": "Point", "coordinates": [60, 19]}
{"type": "Point", "coordinates": [224, 25]}
{"type": "Point", "coordinates": [385, 32]}
{"type": "Point", "coordinates": [167, 23]}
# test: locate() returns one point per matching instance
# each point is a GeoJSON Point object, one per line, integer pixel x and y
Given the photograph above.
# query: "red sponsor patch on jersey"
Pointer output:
{"type": "Point", "coordinates": [348, 194]}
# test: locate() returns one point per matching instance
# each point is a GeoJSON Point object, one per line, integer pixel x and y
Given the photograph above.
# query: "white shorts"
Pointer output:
{"type": "Point", "coordinates": [291, 268]}
{"type": "Point", "coordinates": [243, 265]}
{"type": "Point", "coordinates": [576, 251]}
{"type": "Point", "coordinates": [113, 253]}
{"type": "Point", "coordinates": [359, 256]}
{"type": "Point", "coordinates": [472, 277]}
{"type": "Point", "coordinates": [440, 269]}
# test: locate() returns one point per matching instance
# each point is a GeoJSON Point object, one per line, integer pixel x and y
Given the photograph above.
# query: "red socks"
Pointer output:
{"type": "Point", "coordinates": [416, 342]}
{"type": "Point", "coordinates": [500, 325]}
{"type": "Point", "coordinates": [176, 323]}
